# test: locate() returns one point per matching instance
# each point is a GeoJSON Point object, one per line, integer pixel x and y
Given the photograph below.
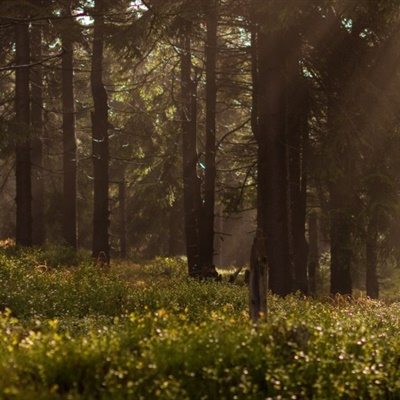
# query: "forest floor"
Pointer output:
{"type": "Point", "coordinates": [145, 331]}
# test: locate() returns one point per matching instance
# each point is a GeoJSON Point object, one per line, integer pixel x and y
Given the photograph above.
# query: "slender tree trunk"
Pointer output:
{"type": "Point", "coordinates": [340, 192]}
{"type": "Point", "coordinates": [23, 151]}
{"type": "Point", "coordinates": [38, 218]}
{"type": "Point", "coordinates": [218, 241]}
{"type": "Point", "coordinates": [100, 148]}
{"type": "Point", "coordinates": [122, 217]}
{"type": "Point", "coordinates": [258, 283]}
{"type": "Point", "coordinates": [258, 276]}
{"type": "Point", "coordinates": [297, 138]}
{"type": "Point", "coordinates": [69, 205]}
{"type": "Point", "coordinates": [255, 128]}
{"type": "Point", "coordinates": [196, 180]}
{"type": "Point", "coordinates": [191, 182]}
{"type": "Point", "coordinates": [340, 238]}
{"type": "Point", "coordinates": [372, 284]}
{"type": "Point", "coordinates": [255, 85]}
{"type": "Point", "coordinates": [207, 234]}
{"type": "Point", "coordinates": [272, 161]}
{"type": "Point", "coordinates": [313, 260]}
{"type": "Point", "coordinates": [341, 150]}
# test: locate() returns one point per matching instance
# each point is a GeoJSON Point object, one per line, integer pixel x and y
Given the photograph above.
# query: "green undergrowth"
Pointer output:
{"type": "Point", "coordinates": [147, 332]}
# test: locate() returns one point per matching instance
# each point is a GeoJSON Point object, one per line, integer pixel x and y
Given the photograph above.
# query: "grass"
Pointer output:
{"type": "Point", "coordinates": [146, 331]}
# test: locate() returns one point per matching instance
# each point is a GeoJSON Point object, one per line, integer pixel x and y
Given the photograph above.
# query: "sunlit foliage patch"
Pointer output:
{"type": "Point", "coordinates": [146, 331]}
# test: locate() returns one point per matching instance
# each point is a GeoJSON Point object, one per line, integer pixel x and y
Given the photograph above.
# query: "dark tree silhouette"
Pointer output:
{"type": "Point", "coordinates": [191, 182]}
{"type": "Point", "coordinates": [100, 148]}
{"type": "Point", "coordinates": [207, 224]}
{"type": "Point", "coordinates": [69, 225]}
{"type": "Point", "coordinates": [23, 151]}
{"type": "Point", "coordinates": [273, 206]}
{"type": "Point", "coordinates": [38, 196]}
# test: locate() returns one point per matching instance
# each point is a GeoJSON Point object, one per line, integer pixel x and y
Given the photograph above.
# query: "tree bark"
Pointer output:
{"type": "Point", "coordinates": [340, 238]}
{"type": "Point", "coordinates": [341, 150]}
{"type": "Point", "coordinates": [191, 182]}
{"type": "Point", "coordinates": [297, 143]}
{"type": "Point", "coordinates": [207, 233]}
{"type": "Point", "coordinates": [371, 254]}
{"type": "Point", "coordinates": [38, 213]}
{"type": "Point", "coordinates": [69, 222]}
{"type": "Point", "coordinates": [313, 260]}
{"type": "Point", "coordinates": [272, 182]}
{"type": "Point", "coordinates": [122, 217]}
{"type": "Point", "coordinates": [339, 201]}
{"type": "Point", "coordinates": [23, 151]}
{"type": "Point", "coordinates": [100, 149]}
{"type": "Point", "coordinates": [258, 283]}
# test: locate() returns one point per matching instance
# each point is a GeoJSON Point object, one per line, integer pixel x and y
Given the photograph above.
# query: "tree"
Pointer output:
{"type": "Point", "coordinates": [272, 178]}
{"type": "Point", "coordinates": [313, 259]}
{"type": "Point", "coordinates": [38, 195]}
{"type": "Point", "coordinates": [69, 136]}
{"type": "Point", "coordinates": [297, 144]}
{"type": "Point", "coordinates": [22, 126]}
{"type": "Point", "coordinates": [207, 224]}
{"type": "Point", "coordinates": [100, 147]}
{"type": "Point", "coordinates": [191, 182]}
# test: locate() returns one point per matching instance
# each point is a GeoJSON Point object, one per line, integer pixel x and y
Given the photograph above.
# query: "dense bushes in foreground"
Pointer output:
{"type": "Point", "coordinates": [147, 332]}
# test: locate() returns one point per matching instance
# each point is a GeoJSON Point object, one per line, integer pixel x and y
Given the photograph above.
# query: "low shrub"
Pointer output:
{"type": "Point", "coordinates": [78, 333]}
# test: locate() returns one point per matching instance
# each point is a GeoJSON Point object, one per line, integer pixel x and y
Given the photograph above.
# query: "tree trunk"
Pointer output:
{"type": "Point", "coordinates": [69, 222]}
{"type": "Point", "coordinates": [313, 260]}
{"type": "Point", "coordinates": [258, 284]}
{"type": "Point", "coordinates": [255, 84]}
{"type": "Point", "coordinates": [297, 138]}
{"type": "Point", "coordinates": [207, 233]}
{"type": "Point", "coordinates": [100, 150]}
{"type": "Point", "coordinates": [339, 200]}
{"type": "Point", "coordinates": [341, 150]}
{"type": "Point", "coordinates": [372, 284]}
{"type": "Point", "coordinates": [122, 217]}
{"type": "Point", "coordinates": [23, 151]}
{"type": "Point", "coordinates": [191, 182]}
{"type": "Point", "coordinates": [38, 217]}
{"type": "Point", "coordinates": [272, 182]}
{"type": "Point", "coordinates": [340, 238]}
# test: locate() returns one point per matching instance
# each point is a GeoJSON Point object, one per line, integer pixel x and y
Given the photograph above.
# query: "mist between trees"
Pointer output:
{"type": "Point", "coordinates": [233, 132]}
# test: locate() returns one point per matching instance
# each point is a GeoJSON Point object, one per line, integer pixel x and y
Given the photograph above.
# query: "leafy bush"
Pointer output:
{"type": "Point", "coordinates": [84, 291]}
{"type": "Point", "coordinates": [77, 333]}
{"type": "Point", "coordinates": [51, 255]}
{"type": "Point", "coordinates": [171, 267]}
